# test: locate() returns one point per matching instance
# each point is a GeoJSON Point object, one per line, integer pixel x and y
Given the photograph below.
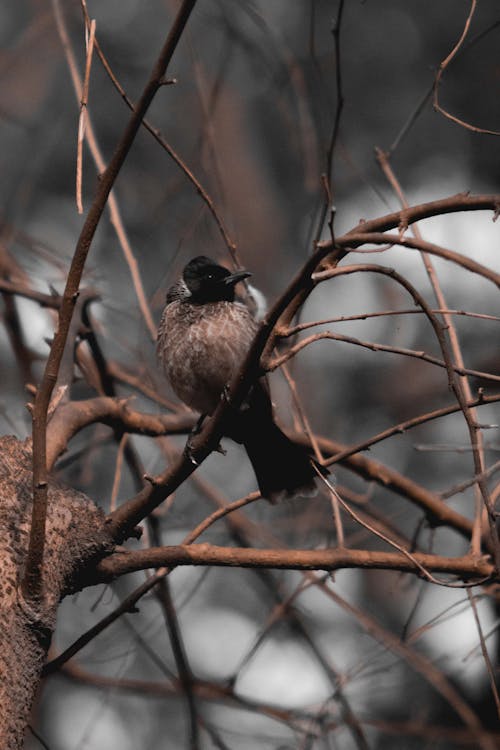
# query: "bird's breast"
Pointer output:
{"type": "Point", "coordinates": [200, 347]}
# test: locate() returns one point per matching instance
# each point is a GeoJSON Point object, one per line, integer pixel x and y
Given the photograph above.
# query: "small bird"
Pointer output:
{"type": "Point", "coordinates": [203, 338]}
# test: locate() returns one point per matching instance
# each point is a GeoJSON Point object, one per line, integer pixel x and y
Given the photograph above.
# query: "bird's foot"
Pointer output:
{"type": "Point", "coordinates": [188, 452]}
{"type": "Point", "coordinates": [188, 448]}
{"type": "Point", "coordinates": [226, 393]}
{"type": "Point", "coordinates": [197, 427]}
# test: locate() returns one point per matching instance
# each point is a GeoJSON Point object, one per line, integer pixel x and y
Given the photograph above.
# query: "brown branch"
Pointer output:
{"type": "Point", "coordinates": [231, 245]}
{"type": "Point", "coordinates": [460, 386]}
{"type": "Point", "coordinates": [293, 330]}
{"type": "Point", "coordinates": [419, 301]}
{"type": "Point", "coordinates": [83, 117]}
{"type": "Point", "coordinates": [327, 176]}
{"type": "Point", "coordinates": [293, 350]}
{"type": "Point", "coordinates": [114, 209]}
{"type": "Point", "coordinates": [32, 579]}
{"type": "Point", "coordinates": [8, 286]}
{"type": "Point", "coordinates": [379, 238]}
{"type": "Point", "coordinates": [484, 651]}
{"type": "Point", "coordinates": [117, 564]}
{"type": "Point", "coordinates": [408, 424]}
{"type": "Point", "coordinates": [442, 67]}
{"type": "Point", "coordinates": [70, 418]}
{"type": "Point", "coordinates": [405, 217]}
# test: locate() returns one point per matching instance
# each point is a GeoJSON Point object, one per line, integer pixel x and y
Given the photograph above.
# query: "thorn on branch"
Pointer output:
{"type": "Point", "coordinates": [167, 81]}
{"type": "Point", "coordinates": [56, 400]}
{"type": "Point", "coordinates": [403, 224]}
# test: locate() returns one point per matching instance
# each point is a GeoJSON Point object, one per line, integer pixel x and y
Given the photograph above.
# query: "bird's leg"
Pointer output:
{"type": "Point", "coordinates": [195, 430]}
{"type": "Point", "coordinates": [199, 424]}
{"type": "Point", "coordinates": [188, 448]}
{"type": "Point", "coordinates": [225, 396]}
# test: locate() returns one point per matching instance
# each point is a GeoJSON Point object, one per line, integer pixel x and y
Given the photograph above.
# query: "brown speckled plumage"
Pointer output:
{"type": "Point", "coordinates": [200, 347]}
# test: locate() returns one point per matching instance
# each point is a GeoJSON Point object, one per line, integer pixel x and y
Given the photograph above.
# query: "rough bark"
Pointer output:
{"type": "Point", "coordinates": [75, 537]}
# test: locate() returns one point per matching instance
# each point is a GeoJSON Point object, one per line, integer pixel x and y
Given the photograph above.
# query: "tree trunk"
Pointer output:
{"type": "Point", "coordinates": [75, 538]}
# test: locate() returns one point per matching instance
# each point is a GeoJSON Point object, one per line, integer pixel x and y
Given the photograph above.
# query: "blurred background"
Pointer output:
{"type": "Point", "coordinates": [251, 115]}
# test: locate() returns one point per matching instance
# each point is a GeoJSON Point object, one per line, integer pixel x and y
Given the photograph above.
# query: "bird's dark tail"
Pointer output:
{"type": "Point", "coordinates": [282, 467]}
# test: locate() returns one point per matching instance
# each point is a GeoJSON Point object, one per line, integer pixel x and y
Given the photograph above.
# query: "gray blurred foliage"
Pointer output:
{"type": "Point", "coordinates": [251, 114]}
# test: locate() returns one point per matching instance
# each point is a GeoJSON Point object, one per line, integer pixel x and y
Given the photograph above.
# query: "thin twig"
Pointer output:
{"type": "Point", "coordinates": [442, 67]}
{"type": "Point", "coordinates": [460, 386]}
{"type": "Point", "coordinates": [293, 330]}
{"type": "Point", "coordinates": [114, 209]}
{"type": "Point", "coordinates": [484, 651]}
{"type": "Point", "coordinates": [200, 190]}
{"type": "Point", "coordinates": [327, 177]}
{"type": "Point", "coordinates": [82, 121]}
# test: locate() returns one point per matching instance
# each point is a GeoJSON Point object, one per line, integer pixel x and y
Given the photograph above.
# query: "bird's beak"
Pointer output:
{"type": "Point", "coordinates": [233, 278]}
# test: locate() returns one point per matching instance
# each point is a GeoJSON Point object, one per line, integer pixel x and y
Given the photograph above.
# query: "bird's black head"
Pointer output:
{"type": "Point", "coordinates": [207, 281]}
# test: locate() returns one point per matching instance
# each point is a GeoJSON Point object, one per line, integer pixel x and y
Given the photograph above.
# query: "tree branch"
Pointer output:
{"type": "Point", "coordinates": [336, 558]}
{"type": "Point", "coordinates": [32, 579]}
{"type": "Point", "coordinates": [70, 418]}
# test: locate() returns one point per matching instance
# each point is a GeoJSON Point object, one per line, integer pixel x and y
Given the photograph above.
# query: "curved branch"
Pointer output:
{"type": "Point", "coordinates": [303, 343]}
{"type": "Point", "coordinates": [406, 216]}
{"type": "Point", "coordinates": [336, 558]}
{"type": "Point", "coordinates": [442, 67]}
{"type": "Point", "coordinates": [380, 238]}
{"type": "Point", "coordinates": [20, 289]}
{"type": "Point", "coordinates": [70, 418]}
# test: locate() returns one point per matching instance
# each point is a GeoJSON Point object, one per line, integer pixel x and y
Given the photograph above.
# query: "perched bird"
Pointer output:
{"type": "Point", "coordinates": [203, 338]}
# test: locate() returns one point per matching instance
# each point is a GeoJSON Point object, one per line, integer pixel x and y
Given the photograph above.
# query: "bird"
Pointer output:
{"type": "Point", "coordinates": [204, 335]}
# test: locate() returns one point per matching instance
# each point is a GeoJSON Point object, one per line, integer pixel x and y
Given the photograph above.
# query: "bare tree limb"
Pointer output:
{"type": "Point", "coordinates": [466, 567]}
{"type": "Point", "coordinates": [32, 586]}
